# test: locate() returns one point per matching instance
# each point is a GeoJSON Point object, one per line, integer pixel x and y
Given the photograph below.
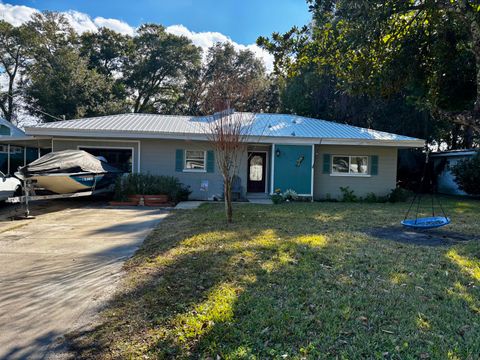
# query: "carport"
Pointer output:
{"type": "Point", "coordinates": [42, 144]}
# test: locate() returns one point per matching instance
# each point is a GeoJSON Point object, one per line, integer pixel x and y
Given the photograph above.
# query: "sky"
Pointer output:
{"type": "Point", "coordinates": [204, 21]}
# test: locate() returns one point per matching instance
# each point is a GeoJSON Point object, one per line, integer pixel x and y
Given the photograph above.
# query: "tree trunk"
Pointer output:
{"type": "Point", "coordinates": [9, 113]}
{"type": "Point", "coordinates": [228, 201]}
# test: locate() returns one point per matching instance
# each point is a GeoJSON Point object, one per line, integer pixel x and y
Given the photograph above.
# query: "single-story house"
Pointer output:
{"type": "Point", "coordinates": [313, 157]}
{"type": "Point", "coordinates": [443, 163]}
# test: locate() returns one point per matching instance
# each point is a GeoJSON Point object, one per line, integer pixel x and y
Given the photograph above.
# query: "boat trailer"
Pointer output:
{"type": "Point", "coordinates": [30, 195]}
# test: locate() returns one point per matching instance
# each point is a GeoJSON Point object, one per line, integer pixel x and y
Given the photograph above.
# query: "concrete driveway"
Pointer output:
{"type": "Point", "coordinates": [57, 270]}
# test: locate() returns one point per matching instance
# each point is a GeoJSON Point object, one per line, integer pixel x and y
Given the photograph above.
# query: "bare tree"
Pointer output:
{"type": "Point", "coordinates": [229, 133]}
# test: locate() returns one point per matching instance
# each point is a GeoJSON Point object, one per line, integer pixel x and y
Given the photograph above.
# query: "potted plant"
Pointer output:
{"type": "Point", "coordinates": [134, 186]}
{"type": "Point", "coordinates": [158, 190]}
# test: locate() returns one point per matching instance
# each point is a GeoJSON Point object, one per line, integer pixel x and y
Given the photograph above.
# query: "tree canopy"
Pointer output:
{"type": "Point", "coordinates": [56, 73]}
{"type": "Point", "coordinates": [404, 66]}
{"type": "Point", "coordinates": [409, 67]}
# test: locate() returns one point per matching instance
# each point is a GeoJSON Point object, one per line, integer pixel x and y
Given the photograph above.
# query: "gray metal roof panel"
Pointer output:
{"type": "Point", "coordinates": [264, 125]}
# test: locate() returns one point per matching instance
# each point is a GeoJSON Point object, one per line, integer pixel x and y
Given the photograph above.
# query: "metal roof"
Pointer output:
{"type": "Point", "coordinates": [266, 126]}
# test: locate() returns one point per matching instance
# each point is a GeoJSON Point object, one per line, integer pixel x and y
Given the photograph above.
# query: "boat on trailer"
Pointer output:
{"type": "Point", "coordinates": [70, 171]}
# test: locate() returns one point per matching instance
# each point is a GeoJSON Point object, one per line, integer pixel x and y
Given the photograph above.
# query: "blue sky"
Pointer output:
{"type": "Point", "coordinates": [243, 21]}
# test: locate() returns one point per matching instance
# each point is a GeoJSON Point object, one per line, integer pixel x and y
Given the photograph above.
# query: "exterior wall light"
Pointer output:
{"type": "Point", "coordinates": [277, 153]}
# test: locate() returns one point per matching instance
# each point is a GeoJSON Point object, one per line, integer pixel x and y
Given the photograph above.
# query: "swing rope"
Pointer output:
{"type": "Point", "coordinates": [425, 222]}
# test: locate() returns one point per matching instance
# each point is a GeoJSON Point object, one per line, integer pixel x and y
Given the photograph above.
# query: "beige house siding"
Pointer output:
{"type": "Point", "coordinates": [327, 185]}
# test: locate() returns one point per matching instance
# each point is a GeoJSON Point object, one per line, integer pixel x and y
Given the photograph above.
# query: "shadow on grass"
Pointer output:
{"type": "Point", "coordinates": [302, 280]}
{"type": "Point", "coordinates": [432, 237]}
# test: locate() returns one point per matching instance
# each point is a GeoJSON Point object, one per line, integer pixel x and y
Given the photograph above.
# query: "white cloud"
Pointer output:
{"type": "Point", "coordinates": [208, 38]}
{"type": "Point", "coordinates": [81, 22]}
{"type": "Point", "coordinates": [16, 14]}
{"type": "Point", "coordinates": [202, 39]}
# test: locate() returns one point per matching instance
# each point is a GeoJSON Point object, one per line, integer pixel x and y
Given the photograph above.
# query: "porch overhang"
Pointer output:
{"type": "Point", "coordinates": [41, 142]}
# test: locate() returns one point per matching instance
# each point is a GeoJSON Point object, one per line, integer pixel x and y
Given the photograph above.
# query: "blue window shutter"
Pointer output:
{"type": "Point", "coordinates": [326, 163]}
{"type": "Point", "coordinates": [179, 160]}
{"type": "Point", "coordinates": [374, 166]}
{"type": "Point", "coordinates": [210, 161]}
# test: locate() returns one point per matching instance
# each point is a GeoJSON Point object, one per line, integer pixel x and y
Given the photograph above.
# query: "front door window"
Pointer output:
{"type": "Point", "coordinates": [256, 172]}
{"type": "Point", "coordinates": [256, 168]}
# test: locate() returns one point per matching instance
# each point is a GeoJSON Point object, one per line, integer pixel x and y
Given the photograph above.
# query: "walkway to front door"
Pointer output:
{"type": "Point", "coordinates": [257, 166]}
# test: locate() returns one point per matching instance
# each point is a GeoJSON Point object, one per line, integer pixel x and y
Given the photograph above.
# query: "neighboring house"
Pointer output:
{"type": "Point", "coordinates": [443, 162]}
{"type": "Point", "coordinates": [313, 157]}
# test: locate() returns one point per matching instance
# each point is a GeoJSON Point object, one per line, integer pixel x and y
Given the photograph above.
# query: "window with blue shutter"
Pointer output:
{"type": "Point", "coordinates": [326, 163]}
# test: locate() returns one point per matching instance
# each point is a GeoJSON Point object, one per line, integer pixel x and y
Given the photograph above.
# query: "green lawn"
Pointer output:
{"type": "Point", "coordinates": [295, 281]}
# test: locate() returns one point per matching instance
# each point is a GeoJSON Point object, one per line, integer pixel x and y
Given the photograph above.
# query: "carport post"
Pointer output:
{"type": "Point", "coordinates": [25, 155]}
{"type": "Point", "coordinates": [8, 160]}
{"type": "Point", "coordinates": [38, 152]}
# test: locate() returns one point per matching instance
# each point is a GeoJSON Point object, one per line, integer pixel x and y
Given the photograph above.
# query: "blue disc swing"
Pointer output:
{"type": "Point", "coordinates": [429, 222]}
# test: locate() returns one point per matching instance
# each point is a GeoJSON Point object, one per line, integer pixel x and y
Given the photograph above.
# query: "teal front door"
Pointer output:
{"type": "Point", "coordinates": [292, 168]}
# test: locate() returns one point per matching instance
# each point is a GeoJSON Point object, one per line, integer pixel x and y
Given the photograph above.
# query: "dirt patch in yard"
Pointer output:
{"type": "Point", "coordinates": [432, 237]}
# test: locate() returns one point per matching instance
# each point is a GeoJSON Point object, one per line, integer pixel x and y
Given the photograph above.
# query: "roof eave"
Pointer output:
{"type": "Point", "coordinates": [38, 131]}
{"type": "Point", "coordinates": [452, 154]}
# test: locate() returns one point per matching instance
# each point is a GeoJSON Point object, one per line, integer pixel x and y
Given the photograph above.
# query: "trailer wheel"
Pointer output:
{"type": "Point", "coordinates": [18, 191]}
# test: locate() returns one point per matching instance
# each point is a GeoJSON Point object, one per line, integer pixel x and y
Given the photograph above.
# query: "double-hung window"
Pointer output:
{"type": "Point", "coordinates": [195, 160]}
{"type": "Point", "coordinates": [349, 165]}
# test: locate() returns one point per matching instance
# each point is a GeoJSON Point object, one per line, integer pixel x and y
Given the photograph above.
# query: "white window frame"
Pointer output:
{"type": "Point", "coordinates": [204, 170]}
{"type": "Point", "coordinates": [332, 173]}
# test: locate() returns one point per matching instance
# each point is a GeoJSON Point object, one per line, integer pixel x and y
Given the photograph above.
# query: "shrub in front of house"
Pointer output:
{"type": "Point", "coordinates": [467, 175]}
{"type": "Point", "coordinates": [348, 195]}
{"type": "Point", "coordinates": [396, 195]}
{"type": "Point", "coordinates": [370, 198]}
{"type": "Point", "coordinates": [288, 195]}
{"type": "Point", "coordinates": [157, 188]}
{"type": "Point", "coordinates": [374, 198]}
{"type": "Point", "coordinates": [399, 195]}
{"type": "Point", "coordinates": [277, 198]}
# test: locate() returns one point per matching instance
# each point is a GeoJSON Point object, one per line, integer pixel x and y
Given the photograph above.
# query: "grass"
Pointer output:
{"type": "Point", "coordinates": [296, 281]}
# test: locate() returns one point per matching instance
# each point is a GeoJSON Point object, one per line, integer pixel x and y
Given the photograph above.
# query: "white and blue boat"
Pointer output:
{"type": "Point", "coordinates": [70, 171]}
